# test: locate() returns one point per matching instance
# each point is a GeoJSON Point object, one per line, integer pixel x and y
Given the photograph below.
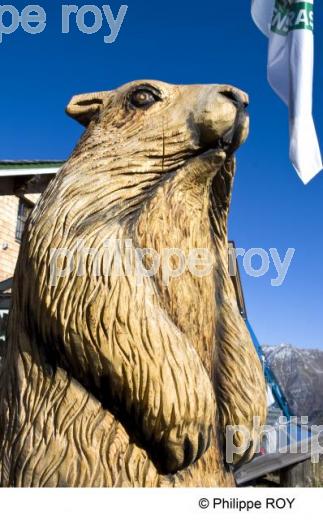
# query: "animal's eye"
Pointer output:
{"type": "Point", "coordinates": [143, 97]}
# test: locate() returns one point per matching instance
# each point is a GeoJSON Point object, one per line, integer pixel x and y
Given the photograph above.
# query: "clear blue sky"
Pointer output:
{"type": "Point", "coordinates": [186, 42]}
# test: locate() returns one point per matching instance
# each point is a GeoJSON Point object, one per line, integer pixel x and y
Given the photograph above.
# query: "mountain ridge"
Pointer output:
{"type": "Point", "coordinates": [299, 372]}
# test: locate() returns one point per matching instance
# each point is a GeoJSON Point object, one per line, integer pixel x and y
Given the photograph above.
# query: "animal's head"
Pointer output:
{"type": "Point", "coordinates": [146, 129]}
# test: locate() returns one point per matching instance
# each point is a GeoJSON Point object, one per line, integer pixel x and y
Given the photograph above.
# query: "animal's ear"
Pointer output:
{"type": "Point", "coordinates": [85, 106]}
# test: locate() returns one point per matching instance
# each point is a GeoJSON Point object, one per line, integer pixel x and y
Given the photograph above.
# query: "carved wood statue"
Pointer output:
{"type": "Point", "coordinates": [111, 378]}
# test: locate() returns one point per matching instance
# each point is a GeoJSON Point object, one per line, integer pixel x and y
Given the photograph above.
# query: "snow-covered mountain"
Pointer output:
{"type": "Point", "coordinates": [300, 375]}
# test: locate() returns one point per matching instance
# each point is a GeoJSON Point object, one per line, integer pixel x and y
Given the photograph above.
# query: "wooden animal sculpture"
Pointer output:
{"type": "Point", "coordinates": [114, 378]}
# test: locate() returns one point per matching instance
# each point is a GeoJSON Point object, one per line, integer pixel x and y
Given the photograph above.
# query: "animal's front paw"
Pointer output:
{"type": "Point", "coordinates": [181, 447]}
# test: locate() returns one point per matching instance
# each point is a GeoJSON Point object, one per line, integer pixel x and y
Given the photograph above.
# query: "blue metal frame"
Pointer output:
{"type": "Point", "coordinates": [269, 376]}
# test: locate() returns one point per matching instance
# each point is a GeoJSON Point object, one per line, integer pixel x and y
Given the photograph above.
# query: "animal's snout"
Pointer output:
{"type": "Point", "coordinates": [239, 98]}
{"type": "Point", "coordinates": [221, 118]}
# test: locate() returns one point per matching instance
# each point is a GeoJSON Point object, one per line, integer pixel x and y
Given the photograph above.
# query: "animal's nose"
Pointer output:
{"type": "Point", "coordinates": [238, 97]}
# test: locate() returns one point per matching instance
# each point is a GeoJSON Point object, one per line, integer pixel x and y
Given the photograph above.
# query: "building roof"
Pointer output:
{"type": "Point", "coordinates": [15, 168]}
{"type": "Point", "coordinates": [26, 176]}
{"type": "Point", "coordinates": [28, 164]}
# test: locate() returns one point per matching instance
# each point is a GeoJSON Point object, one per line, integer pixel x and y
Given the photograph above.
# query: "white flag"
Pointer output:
{"type": "Point", "coordinates": [289, 26]}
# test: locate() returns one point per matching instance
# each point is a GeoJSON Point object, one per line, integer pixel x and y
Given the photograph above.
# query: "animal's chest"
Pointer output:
{"type": "Point", "coordinates": [185, 279]}
{"type": "Point", "coordinates": [190, 301]}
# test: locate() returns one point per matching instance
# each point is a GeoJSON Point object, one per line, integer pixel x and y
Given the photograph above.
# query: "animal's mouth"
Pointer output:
{"type": "Point", "coordinates": [214, 159]}
{"type": "Point", "coordinates": [237, 135]}
{"type": "Point", "coordinates": [231, 140]}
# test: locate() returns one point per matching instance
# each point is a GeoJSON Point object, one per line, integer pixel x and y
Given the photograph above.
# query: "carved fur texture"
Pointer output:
{"type": "Point", "coordinates": [111, 381]}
